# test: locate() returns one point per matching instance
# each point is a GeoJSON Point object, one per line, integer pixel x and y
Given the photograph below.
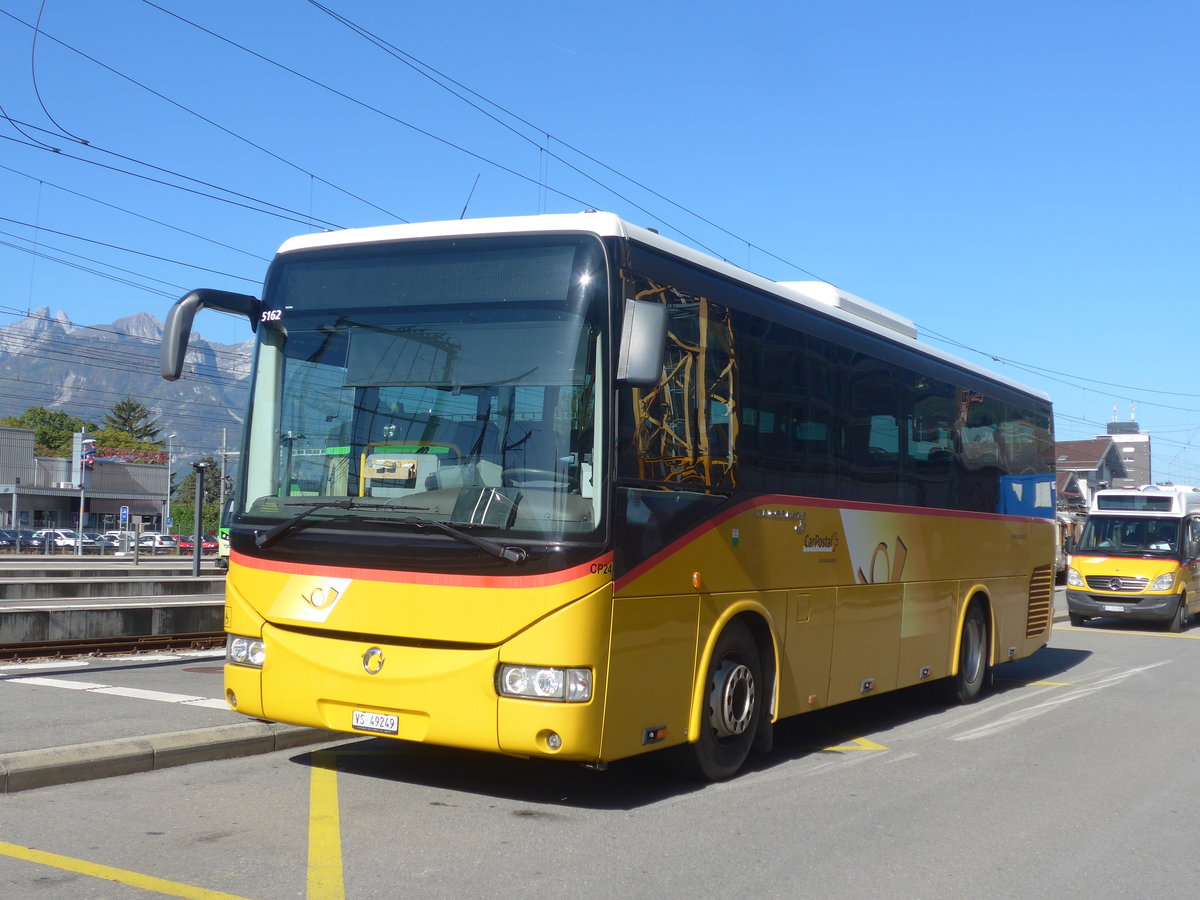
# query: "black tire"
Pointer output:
{"type": "Point", "coordinates": [973, 672]}
{"type": "Point", "coordinates": [1077, 620]}
{"type": "Point", "coordinates": [1179, 622]}
{"type": "Point", "coordinates": [733, 696]}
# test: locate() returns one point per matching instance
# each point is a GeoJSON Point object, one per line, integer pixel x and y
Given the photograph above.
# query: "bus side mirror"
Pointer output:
{"type": "Point", "coordinates": [643, 343]}
{"type": "Point", "coordinates": [1069, 543]}
{"type": "Point", "coordinates": [178, 327]}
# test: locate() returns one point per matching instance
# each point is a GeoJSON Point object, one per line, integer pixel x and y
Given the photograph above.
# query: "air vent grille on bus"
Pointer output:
{"type": "Point", "coordinates": [1041, 597]}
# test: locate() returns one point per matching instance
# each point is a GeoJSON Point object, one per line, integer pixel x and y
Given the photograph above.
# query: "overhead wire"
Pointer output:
{"type": "Point", "coordinates": [135, 214]}
{"type": "Point", "coordinates": [37, 30]}
{"type": "Point", "coordinates": [425, 69]}
{"type": "Point", "coordinates": [144, 255]}
{"type": "Point", "coordinates": [363, 104]}
{"type": "Point", "coordinates": [191, 112]}
{"type": "Point", "coordinates": [1051, 374]}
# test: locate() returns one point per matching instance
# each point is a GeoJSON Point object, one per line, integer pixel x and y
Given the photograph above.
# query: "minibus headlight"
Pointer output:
{"type": "Point", "coordinates": [545, 683]}
{"type": "Point", "coordinates": [1073, 578]}
{"type": "Point", "coordinates": [245, 651]}
{"type": "Point", "coordinates": [1163, 582]}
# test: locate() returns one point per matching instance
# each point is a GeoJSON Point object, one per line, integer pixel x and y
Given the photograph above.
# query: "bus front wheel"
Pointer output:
{"type": "Point", "coordinates": [732, 705]}
{"type": "Point", "coordinates": [1179, 622]}
{"type": "Point", "coordinates": [968, 684]}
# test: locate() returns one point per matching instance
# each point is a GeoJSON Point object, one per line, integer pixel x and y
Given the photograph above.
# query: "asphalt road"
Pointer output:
{"type": "Point", "coordinates": [1076, 777]}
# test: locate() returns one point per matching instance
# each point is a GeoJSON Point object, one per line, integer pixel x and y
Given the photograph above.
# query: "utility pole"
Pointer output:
{"type": "Point", "coordinates": [221, 495]}
{"type": "Point", "coordinates": [197, 536]}
{"type": "Point", "coordinates": [166, 529]}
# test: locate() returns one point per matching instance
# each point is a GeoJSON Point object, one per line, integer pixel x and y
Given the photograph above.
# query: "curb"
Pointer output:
{"type": "Point", "coordinates": [25, 770]}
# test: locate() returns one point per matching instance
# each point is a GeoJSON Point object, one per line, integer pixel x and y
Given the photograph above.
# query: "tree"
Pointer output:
{"type": "Point", "coordinates": [53, 429]}
{"type": "Point", "coordinates": [185, 489]}
{"type": "Point", "coordinates": [183, 509]}
{"type": "Point", "coordinates": [123, 440]}
{"type": "Point", "coordinates": [134, 418]}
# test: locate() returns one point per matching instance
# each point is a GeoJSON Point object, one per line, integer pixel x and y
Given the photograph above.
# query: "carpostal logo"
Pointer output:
{"type": "Point", "coordinates": [821, 543]}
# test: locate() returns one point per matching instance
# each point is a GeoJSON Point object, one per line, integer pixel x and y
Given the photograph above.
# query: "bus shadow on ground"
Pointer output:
{"type": "Point", "coordinates": [655, 777]}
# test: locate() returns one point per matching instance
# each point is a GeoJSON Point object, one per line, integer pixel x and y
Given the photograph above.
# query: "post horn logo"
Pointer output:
{"type": "Point", "coordinates": [373, 661]}
{"type": "Point", "coordinates": [321, 598]}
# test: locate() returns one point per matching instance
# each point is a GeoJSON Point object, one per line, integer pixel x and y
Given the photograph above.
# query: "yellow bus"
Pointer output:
{"type": "Point", "coordinates": [556, 486]}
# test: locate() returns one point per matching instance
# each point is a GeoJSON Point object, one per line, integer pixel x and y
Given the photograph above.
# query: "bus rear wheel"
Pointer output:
{"type": "Point", "coordinates": [972, 677]}
{"type": "Point", "coordinates": [732, 705]}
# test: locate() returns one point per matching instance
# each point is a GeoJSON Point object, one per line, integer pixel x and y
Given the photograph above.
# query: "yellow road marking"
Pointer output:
{"type": "Point", "coordinates": [1166, 634]}
{"type": "Point", "coordinates": [324, 830]}
{"type": "Point", "coordinates": [109, 873]}
{"type": "Point", "coordinates": [855, 744]}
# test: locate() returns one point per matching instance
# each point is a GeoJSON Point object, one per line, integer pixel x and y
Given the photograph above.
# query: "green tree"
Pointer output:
{"type": "Point", "coordinates": [183, 503]}
{"type": "Point", "coordinates": [134, 418]}
{"type": "Point", "coordinates": [185, 489]}
{"type": "Point", "coordinates": [123, 440]}
{"type": "Point", "coordinates": [52, 429]}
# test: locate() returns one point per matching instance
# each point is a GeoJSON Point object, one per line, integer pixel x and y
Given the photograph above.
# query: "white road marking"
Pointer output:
{"type": "Point", "coordinates": [1059, 699]}
{"type": "Point", "coordinates": [133, 693]}
{"type": "Point", "coordinates": [65, 664]}
{"type": "Point", "coordinates": [103, 660]}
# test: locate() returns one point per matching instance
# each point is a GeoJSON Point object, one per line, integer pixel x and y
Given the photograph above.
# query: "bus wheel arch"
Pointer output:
{"type": "Point", "coordinates": [736, 699]}
{"type": "Point", "coordinates": [973, 660]}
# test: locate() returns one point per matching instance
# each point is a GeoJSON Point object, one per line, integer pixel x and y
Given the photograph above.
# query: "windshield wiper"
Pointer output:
{"type": "Point", "coordinates": [272, 535]}
{"type": "Point", "coordinates": [514, 555]}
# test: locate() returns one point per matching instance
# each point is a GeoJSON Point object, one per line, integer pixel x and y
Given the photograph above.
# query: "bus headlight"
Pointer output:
{"type": "Point", "coordinates": [245, 651]}
{"type": "Point", "coordinates": [1073, 578]}
{"type": "Point", "coordinates": [545, 683]}
{"type": "Point", "coordinates": [1163, 582]}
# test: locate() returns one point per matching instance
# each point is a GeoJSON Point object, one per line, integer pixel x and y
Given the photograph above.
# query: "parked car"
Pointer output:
{"type": "Point", "coordinates": [187, 544]}
{"type": "Point", "coordinates": [8, 540]}
{"type": "Point", "coordinates": [30, 540]}
{"type": "Point", "coordinates": [103, 542]}
{"type": "Point", "coordinates": [63, 537]}
{"type": "Point", "coordinates": [157, 542]}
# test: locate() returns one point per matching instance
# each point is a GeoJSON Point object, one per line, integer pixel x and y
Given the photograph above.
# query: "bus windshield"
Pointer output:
{"type": "Point", "coordinates": [1130, 536]}
{"type": "Point", "coordinates": [452, 382]}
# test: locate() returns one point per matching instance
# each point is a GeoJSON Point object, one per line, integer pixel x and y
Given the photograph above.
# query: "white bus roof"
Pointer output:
{"type": "Point", "coordinates": [1149, 500]}
{"type": "Point", "coordinates": [817, 295]}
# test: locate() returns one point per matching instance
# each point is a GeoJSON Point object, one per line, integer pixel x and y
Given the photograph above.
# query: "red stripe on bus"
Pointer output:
{"type": "Point", "coordinates": [431, 578]}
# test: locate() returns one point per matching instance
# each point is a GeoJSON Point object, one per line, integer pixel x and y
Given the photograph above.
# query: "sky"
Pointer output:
{"type": "Point", "coordinates": [1017, 178]}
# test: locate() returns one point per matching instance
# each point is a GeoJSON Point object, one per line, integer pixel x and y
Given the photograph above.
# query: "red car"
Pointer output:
{"type": "Point", "coordinates": [187, 544]}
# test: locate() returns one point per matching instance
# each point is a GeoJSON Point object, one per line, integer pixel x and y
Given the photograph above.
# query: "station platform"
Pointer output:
{"type": "Point", "coordinates": [74, 720]}
{"type": "Point", "coordinates": [64, 598]}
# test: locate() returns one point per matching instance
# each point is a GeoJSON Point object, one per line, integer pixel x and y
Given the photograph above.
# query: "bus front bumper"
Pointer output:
{"type": "Point", "coordinates": [1144, 607]}
{"type": "Point", "coordinates": [416, 694]}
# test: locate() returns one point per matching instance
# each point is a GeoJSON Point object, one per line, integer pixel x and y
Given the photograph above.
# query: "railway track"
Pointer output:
{"type": "Point", "coordinates": [36, 650]}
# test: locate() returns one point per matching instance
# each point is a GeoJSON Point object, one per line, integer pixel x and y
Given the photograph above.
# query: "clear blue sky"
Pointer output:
{"type": "Point", "coordinates": [1019, 179]}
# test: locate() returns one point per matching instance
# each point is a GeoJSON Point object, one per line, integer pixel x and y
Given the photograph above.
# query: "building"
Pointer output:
{"type": "Point", "coordinates": [1119, 459]}
{"type": "Point", "coordinates": [1134, 448]}
{"type": "Point", "coordinates": [46, 492]}
{"type": "Point", "coordinates": [1082, 467]}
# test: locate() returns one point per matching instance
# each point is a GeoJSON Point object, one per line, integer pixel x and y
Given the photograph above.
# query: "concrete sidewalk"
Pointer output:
{"type": "Point", "coordinates": [93, 718]}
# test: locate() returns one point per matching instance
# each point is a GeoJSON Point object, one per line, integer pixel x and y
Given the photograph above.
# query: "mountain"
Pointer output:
{"type": "Point", "coordinates": [45, 360]}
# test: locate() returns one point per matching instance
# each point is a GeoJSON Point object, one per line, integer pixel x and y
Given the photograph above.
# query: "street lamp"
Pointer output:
{"type": "Point", "coordinates": [167, 517]}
